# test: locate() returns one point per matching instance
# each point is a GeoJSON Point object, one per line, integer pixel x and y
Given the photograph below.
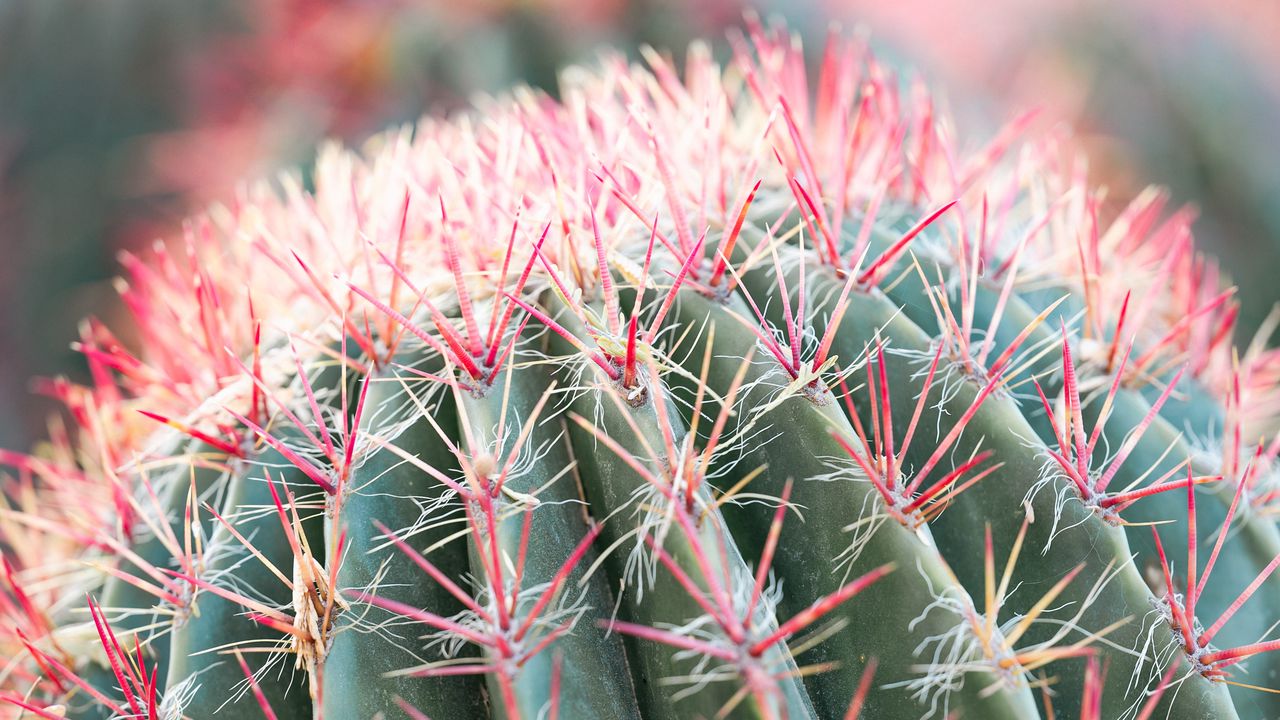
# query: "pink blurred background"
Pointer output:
{"type": "Point", "coordinates": [119, 118]}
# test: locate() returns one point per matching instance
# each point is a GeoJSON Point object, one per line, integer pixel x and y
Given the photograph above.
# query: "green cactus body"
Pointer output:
{"type": "Point", "coordinates": [796, 444]}
{"type": "Point", "coordinates": [360, 674]}
{"type": "Point", "coordinates": [1246, 553]}
{"type": "Point", "coordinates": [199, 474]}
{"type": "Point", "coordinates": [1108, 587]}
{"type": "Point", "coordinates": [702, 550]}
{"type": "Point", "coordinates": [593, 670]}
{"type": "Point", "coordinates": [215, 623]}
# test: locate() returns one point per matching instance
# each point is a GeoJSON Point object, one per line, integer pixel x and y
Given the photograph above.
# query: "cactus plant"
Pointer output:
{"type": "Point", "coordinates": [738, 393]}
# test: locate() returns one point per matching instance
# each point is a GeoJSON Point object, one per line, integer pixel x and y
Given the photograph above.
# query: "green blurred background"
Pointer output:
{"type": "Point", "coordinates": [120, 117]}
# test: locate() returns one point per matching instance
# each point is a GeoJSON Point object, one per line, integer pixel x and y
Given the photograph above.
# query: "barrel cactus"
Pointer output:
{"type": "Point", "coordinates": [727, 392]}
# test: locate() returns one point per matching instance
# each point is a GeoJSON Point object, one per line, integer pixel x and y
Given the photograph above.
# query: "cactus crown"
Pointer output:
{"type": "Point", "coordinates": [736, 392]}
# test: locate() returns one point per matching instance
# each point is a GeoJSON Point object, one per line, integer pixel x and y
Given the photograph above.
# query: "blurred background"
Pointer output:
{"type": "Point", "coordinates": [120, 117]}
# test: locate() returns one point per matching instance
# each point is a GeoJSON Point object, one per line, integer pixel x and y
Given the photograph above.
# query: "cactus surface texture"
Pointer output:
{"type": "Point", "coordinates": [719, 392]}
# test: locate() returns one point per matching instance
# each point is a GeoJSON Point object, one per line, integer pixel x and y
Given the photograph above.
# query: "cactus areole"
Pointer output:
{"type": "Point", "coordinates": [725, 392]}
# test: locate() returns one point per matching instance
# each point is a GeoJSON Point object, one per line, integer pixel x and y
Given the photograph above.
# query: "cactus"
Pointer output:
{"type": "Point", "coordinates": [738, 393]}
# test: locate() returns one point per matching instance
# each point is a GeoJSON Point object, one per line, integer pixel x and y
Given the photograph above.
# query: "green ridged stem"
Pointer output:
{"type": "Point", "coordinates": [616, 491]}
{"type": "Point", "coordinates": [1251, 544]}
{"type": "Point", "coordinates": [595, 681]}
{"type": "Point", "coordinates": [1000, 426]}
{"type": "Point", "coordinates": [216, 623]}
{"type": "Point", "coordinates": [127, 606]}
{"type": "Point", "coordinates": [1035, 357]}
{"type": "Point", "coordinates": [361, 671]}
{"type": "Point", "coordinates": [905, 289]}
{"type": "Point", "coordinates": [793, 434]}
{"type": "Point", "coordinates": [1189, 408]}
{"type": "Point", "coordinates": [885, 619]}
